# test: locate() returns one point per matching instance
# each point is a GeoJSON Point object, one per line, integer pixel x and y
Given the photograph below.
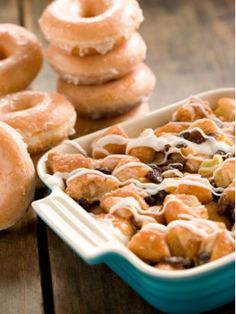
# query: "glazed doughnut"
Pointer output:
{"type": "Point", "coordinates": [112, 98]}
{"type": "Point", "coordinates": [84, 125]}
{"type": "Point", "coordinates": [81, 25]}
{"type": "Point", "coordinates": [43, 119]}
{"type": "Point", "coordinates": [20, 58]}
{"type": "Point", "coordinates": [98, 69]}
{"type": "Point", "coordinates": [17, 177]}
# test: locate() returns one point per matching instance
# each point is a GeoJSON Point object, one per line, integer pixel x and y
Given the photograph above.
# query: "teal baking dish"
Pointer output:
{"type": "Point", "coordinates": [185, 291]}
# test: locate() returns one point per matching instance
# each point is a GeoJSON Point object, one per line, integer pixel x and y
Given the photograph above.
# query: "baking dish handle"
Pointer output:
{"type": "Point", "coordinates": [75, 226]}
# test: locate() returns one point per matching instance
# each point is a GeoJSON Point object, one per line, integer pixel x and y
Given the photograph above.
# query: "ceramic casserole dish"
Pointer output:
{"type": "Point", "coordinates": [193, 290]}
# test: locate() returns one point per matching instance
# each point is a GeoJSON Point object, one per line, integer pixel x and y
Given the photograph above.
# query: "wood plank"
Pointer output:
{"type": "Point", "coordinates": [9, 11]}
{"type": "Point", "coordinates": [80, 288]}
{"type": "Point", "coordinates": [20, 289]}
{"type": "Point", "coordinates": [190, 49]}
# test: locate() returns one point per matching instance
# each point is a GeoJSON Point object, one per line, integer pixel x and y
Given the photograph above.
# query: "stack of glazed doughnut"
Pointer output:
{"type": "Point", "coordinates": [20, 58]}
{"type": "Point", "coordinates": [98, 54]}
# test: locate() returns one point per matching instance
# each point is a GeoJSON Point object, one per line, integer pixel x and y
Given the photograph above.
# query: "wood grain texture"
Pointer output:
{"type": "Point", "coordinates": [9, 12]}
{"type": "Point", "coordinates": [190, 46]}
{"type": "Point", "coordinates": [20, 289]}
{"type": "Point", "coordinates": [80, 288]}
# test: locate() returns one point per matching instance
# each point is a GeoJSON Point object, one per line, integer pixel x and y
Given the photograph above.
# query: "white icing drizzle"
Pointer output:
{"type": "Point", "coordinates": [145, 188]}
{"type": "Point", "coordinates": [130, 165]}
{"type": "Point", "coordinates": [176, 200]}
{"type": "Point", "coordinates": [154, 226]}
{"type": "Point", "coordinates": [133, 206]}
{"type": "Point", "coordinates": [98, 145]}
{"type": "Point", "coordinates": [82, 171]}
{"type": "Point", "coordinates": [195, 225]}
{"type": "Point", "coordinates": [149, 139]}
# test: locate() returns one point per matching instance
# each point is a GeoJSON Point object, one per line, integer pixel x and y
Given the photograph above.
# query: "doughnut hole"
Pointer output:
{"type": "Point", "coordinates": [203, 194]}
{"type": "Point", "coordinates": [138, 172]}
{"type": "Point", "coordinates": [175, 205]}
{"type": "Point", "coordinates": [115, 148]}
{"type": "Point", "coordinates": [183, 242]}
{"type": "Point", "coordinates": [90, 186]}
{"type": "Point", "coordinates": [144, 154]}
{"type": "Point", "coordinates": [68, 162]}
{"type": "Point", "coordinates": [149, 245]}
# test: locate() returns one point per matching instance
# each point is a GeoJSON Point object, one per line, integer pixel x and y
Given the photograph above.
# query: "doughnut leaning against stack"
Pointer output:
{"type": "Point", "coordinates": [20, 58]}
{"type": "Point", "coordinates": [42, 119]}
{"type": "Point", "coordinates": [17, 177]}
{"type": "Point", "coordinates": [95, 49]}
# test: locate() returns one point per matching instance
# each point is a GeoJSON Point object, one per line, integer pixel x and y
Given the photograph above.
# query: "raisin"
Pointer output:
{"type": "Point", "coordinates": [167, 147]}
{"type": "Point", "coordinates": [95, 203]}
{"type": "Point", "coordinates": [150, 200]}
{"type": "Point", "coordinates": [226, 207]}
{"type": "Point", "coordinates": [155, 176]}
{"type": "Point", "coordinates": [220, 152]}
{"type": "Point", "coordinates": [223, 204]}
{"type": "Point", "coordinates": [212, 182]}
{"type": "Point", "coordinates": [181, 145]}
{"type": "Point", "coordinates": [203, 257]}
{"type": "Point", "coordinates": [232, 214]}
{"type": "Point", "coordinates": [160, 196]}
{"type": "Point", "coordinates": [172, 166]}
{"type": "Point", "coordinates": [83, 202]}
{"type": "Point", "coordinates": [194, 136]}
{"type": "Point", "coordinates": [104, 170]}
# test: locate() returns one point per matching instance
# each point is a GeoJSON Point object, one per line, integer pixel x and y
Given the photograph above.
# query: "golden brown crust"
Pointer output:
{"type": "Point", "coordinates": [112, 98]}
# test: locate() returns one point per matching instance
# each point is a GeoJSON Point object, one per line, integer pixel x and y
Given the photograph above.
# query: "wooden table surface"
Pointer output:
{"type": "Point", "coordinates": [190, 49]}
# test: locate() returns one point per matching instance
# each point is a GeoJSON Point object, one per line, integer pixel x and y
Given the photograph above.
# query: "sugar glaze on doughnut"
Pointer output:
{"type": "Point", "coordinates": [82, 25]}
{"type": "Point", "coordinates": [98, 69]}
{"type": "Point", "coordinates": [43, 119]}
